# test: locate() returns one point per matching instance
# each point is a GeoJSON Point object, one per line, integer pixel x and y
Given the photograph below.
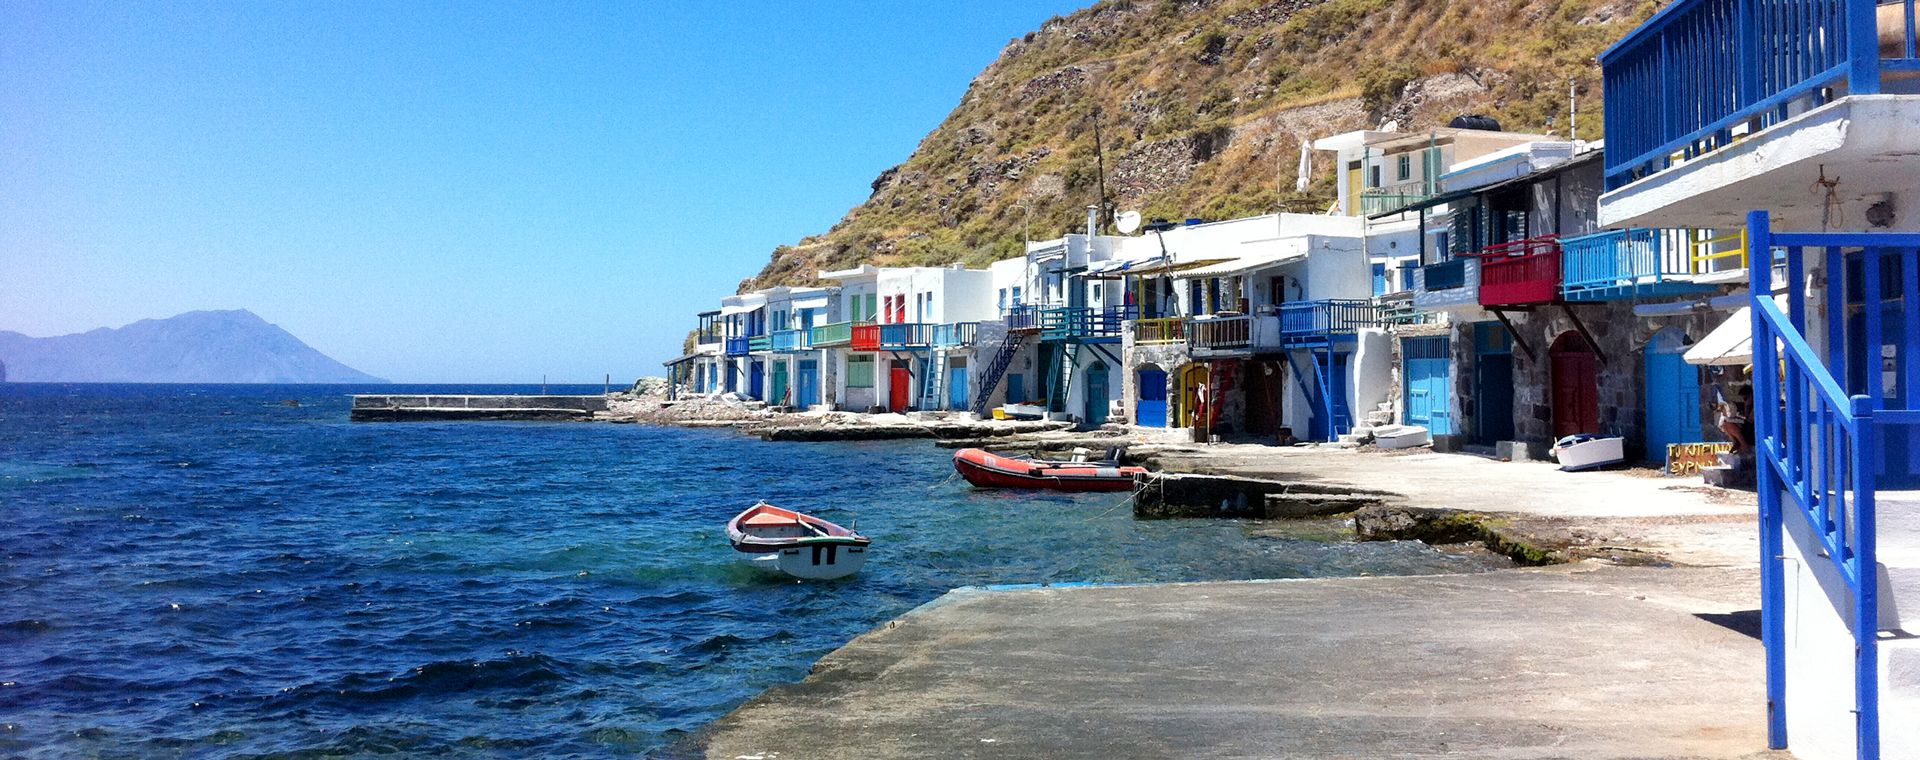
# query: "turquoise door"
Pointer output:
{"type": "Point", "coordinates": [957, 387]}
{"type": "Point", "coordinates": [1152, 408]}
{"type": "Point", "coordinates": [1673, 394]}
{"type": "Point", "coordinates": [1429, 383]}
{"type": "Point", "coordinates": [779, 395]}
{"type": "Point", "coordinates": [808, 384]}
{"type": "Point", "coordinates": [1097, 402]}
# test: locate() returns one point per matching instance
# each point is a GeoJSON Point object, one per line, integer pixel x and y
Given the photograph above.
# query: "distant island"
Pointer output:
{"type": "Point", "coordinates": [196, 347]}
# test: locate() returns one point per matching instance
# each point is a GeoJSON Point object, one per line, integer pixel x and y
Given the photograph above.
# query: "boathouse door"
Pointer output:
{"type": "Point", "coordinates": [1330, 410]}
{"type": "Point", "coordinates": [1493, 384]}
{"type": "Point", "coordinates": [1429, 384]}
{"type": "Point", "coordinates": [1576, 386]}
{"type": "Point", "coordinates": [1673, 394]}
{"type": "Point", "coordinates": [1097, 402]}
{"type": "Point", "coordinates": [1151, 410]}
{"type": "Point", "coordinates": [807, 390]}
{"type": "Point", "coordinates": [957, 384]}
{"type": "Point", "coordinates": [757, 380]}
{"type": "Point", "coordinates": [779, 394]}
{"type": "Point", "coordinates": [899, 387]}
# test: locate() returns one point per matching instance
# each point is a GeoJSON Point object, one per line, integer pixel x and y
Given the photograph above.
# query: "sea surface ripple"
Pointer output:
{"type": "Point", "coordinates": [209, 571]}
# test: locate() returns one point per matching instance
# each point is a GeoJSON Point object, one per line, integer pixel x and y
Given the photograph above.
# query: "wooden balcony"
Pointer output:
{"type": "Point", "coordinates": [760, 344]}
{"type": "Point", "coordinates": [1220, 336]}
{"type": "Point", "coordinates": [955, 334]}
{"type": "Point", "coordinates": [1326, 321]}
{"type": "Point", "coordinates": [901, 336]}
{"type": "Point", "coordinates": [864, 338]}
{"type": "Point", "coordinates": [1022, 318]}
{"type": "Point", "coordinates": [1520, 273]}
{"type": "Point", "coordinates": [1161, 331]}
{"type": "Point", "coordinates": [1398, 309]}
{"type": "Point", "coordinates": [739, 346]}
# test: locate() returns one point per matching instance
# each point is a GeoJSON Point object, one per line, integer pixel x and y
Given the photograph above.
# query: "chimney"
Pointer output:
{"type": "Point", "coordinates": [1093, 221]}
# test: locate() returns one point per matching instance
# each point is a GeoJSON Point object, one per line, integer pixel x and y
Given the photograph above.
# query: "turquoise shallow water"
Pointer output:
{"type": "Point", "coordinates": [204, 571]}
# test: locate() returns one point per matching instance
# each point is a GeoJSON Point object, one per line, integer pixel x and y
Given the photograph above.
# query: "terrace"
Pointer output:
{"type": "Point", "coordinates": [1709, 101]}
{"type": "Point", "coordinates": [900, 336]}
{"type": "Point", "coordinates": [1632, 263]}
{"type": "Point", "coordinates": [738, 346]}
{"type": "Point", "coordinates": [1022, 317]}
{"type": "Point", "coordinates": [1326, 321]}
{"type": "Point", "coordinates": [1233, 335]}
{"type": "Point", "coordinates": [760, 344]}
{"type": "Point", "coordinates": [1381, 201]}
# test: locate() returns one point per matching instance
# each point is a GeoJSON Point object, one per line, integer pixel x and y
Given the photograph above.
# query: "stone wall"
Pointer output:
{"type": "Point", "coordinates": [1170, 357]}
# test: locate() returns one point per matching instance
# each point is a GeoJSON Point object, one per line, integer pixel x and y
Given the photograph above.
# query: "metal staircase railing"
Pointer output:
{"type": "Point", "coordinates": [996, 371]}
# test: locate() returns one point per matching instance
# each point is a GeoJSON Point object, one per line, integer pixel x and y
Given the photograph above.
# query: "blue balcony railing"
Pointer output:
{"type": "Point", "coordinates": [1703, 73]}
{"type": "Point", "coordinates": [738, 346]}
{"type": "Point", "coordinates": [955, 334]}
{"type": "Point", "coordinates": [1324, 321]}
{"type": "Point", "coordinates": [1628, 263]}
{"type": "Point", "coordinates": [1022, 317]}
{"type": "Point", "coordinates": [791, 341]}
{"type": "Point", "coordinates": [904, 335]}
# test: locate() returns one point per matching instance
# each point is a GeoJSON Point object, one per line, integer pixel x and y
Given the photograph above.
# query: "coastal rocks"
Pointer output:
{"type": "Point", "coordinates": [1450, 526]}
{"type": "Point", "coordinates": [1167, 495]}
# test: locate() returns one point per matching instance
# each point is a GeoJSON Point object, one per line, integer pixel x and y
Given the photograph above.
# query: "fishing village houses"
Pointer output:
{"type": "Point", "coordinates": [1737, 259]}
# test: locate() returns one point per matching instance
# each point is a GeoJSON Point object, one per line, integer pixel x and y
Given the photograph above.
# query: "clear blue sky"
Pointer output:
{"type": "Point", "coordinates": [456, 191]}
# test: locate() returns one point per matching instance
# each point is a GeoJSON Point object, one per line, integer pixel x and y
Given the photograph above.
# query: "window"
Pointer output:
{"type": "Point", "coordinates": [1016, 296]}
{"type": "Point", "coordinates": [860, 371]}
{"type": "Point", "coordinates": [1003, 300]}
{"type": "Point", "coordinates": [1405, 168]}
{"type": "Point", "coordinates": [1379, 278]}
{"type": "Point", "coordinates": [1373, 176]}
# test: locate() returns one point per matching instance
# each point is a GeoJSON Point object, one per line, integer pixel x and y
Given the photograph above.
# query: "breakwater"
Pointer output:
{"type": "Point", "coordinates": [419, 407]}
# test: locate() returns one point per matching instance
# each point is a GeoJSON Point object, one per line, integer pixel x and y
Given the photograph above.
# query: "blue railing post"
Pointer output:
{"type": "Point", "coordinates": [1866, 575]}
{"type": "Point", "coordinates": [1773, 595]}
{"type": "Point", "coordinates": [1863, 48]}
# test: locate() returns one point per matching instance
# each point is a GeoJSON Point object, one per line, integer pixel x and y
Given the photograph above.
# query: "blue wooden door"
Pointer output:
{"type": "Point", "coordinates": [808, 390]}
{"type": "Point", "coordinates": [957, 387]}
{"type": "Point", "coordinates": [1673, 394]}
{"type": "Point", "coordinates": [1429, 383]}
{"type": "Point", "coordinates": [1331, 412]}
{"type": "Point", "coordinates": [1152, 408]}
{"type": "Point", "coordinates": [1097, 402]}
{"type": "Point", "coordinates": [757, 380]}
{"type": "Point", "coordinates": [1016, 388]}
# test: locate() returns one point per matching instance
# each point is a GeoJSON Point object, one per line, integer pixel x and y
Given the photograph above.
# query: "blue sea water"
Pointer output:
{"type": "Point", "coordinates": [206, 571]}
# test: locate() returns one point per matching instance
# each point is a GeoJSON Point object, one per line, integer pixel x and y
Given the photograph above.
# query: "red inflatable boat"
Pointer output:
{"type": "Point", "coordinates": [985, 469]}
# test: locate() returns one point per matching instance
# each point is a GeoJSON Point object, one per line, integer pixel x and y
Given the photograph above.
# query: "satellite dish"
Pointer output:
{"type": "Point", "coordinates": [1128, 222]}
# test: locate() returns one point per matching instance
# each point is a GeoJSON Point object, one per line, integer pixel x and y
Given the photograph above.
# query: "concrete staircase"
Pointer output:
{"type": "Point", "coordinates": [1363, 432]}
{"type": "Point", "coordinates": [1734, 471]}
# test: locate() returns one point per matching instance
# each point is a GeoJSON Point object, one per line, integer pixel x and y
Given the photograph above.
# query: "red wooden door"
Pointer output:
{"type": "Point", "coordinates": [1576, 387]}
{"type": "Point", "coordinates": [898, 382]}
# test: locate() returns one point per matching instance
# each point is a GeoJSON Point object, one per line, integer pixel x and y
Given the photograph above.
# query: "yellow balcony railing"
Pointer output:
{"type": "Point", "coordinates": [1704, 252]}
{"type": "Point", "coordinates": [1162, 330]}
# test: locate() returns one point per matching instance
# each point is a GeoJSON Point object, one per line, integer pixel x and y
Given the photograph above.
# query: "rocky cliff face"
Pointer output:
{"type": "Point", "coordinates": [1200, 107]}
{"type": "Point", "coordinates": [196, 347]}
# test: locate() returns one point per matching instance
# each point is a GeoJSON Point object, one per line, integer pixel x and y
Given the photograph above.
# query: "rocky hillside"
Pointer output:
{"type": "Point", "coordinates": [1200, 107]}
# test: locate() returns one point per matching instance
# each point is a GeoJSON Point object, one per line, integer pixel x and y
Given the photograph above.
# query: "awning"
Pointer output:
{"type": "Point", "coordinates": [1731, 343]}
{"type": "Point", "coordinates": [813, 303]}
{"type": "Point", "coordinates": [728, 311]}
{"type": "Point", "coordinates": [1245, 264]}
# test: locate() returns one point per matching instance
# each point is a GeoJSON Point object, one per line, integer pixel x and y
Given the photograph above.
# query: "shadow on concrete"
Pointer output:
{"type": "Point", "coordinates": [1745, 622]}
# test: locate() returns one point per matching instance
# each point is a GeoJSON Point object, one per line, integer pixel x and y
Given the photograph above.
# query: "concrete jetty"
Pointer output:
{"type": "Point", "coordinates": [421, 407]}
{"type": "Point", "coordinates": [1585, 661]}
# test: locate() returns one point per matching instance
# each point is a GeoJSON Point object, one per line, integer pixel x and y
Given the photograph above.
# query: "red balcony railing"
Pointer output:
{"type": "Point", "coordinates": [1520, 273]}
{"type": "Point", "coordinates": [866, 338]}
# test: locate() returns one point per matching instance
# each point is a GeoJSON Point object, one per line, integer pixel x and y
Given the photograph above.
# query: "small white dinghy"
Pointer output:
{"type": "Point", "coordinates": [802, 546]}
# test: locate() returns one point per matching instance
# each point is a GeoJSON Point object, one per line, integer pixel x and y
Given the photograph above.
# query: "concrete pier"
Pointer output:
{"type": "Point", "coordinates": [411, 408]}
{"type": "Point", "coordinates": [1584, 661]}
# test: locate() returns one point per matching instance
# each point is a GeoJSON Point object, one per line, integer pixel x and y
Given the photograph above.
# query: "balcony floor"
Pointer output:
{"type": "Point", "coordinates": [1868, 142]}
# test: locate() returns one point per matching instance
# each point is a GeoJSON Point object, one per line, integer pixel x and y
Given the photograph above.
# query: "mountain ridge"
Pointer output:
{"type": "Point", "coordinates": [226, 346]}
{"type": "Point", "coordinates": [1200, 108]}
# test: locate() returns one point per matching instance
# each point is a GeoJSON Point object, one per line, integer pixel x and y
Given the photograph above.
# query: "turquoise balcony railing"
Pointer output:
{"type": "Point", "coordinates": [1081, 323]}
{"type": "Point", "coordinates": [832, 334]}
{"type": "Point", "coordinates": [760, 344]}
